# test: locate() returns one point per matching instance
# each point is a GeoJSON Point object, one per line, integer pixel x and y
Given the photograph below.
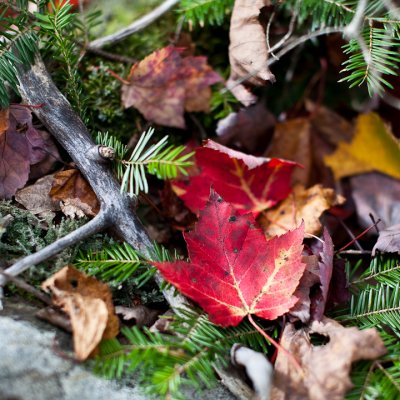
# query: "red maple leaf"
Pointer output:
{"type": "Point", "coordinates": [233, 270]}
{"type": "Point", "coordinates": [250, 184]}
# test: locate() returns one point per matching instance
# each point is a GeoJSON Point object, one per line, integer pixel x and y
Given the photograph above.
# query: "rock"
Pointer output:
{"type": "Point", "coordinates": [34, 364]}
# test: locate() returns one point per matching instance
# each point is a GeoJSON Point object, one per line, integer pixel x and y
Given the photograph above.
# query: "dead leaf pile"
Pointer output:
{"type": "Point", "coordinates": [164, 85]}
{"type": "Point", "coordinates": [89, 306]}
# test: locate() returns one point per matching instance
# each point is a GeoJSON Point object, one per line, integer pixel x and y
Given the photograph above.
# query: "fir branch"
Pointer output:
{"type": "Point", "coordinates": [163, 162]}
{"type": "Point", "coordinates": [204, 12]}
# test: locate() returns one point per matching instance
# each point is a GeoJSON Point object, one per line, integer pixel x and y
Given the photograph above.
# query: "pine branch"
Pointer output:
{"type": "Point", "coordinates": [204, 12]}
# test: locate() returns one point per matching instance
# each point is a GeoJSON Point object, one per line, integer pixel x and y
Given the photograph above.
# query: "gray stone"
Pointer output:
{"type": "Point", "coordinates": [33, 367]}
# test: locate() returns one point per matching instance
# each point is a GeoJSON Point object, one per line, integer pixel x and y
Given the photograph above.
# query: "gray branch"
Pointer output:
{"type": "Point", "coordinates": [136, 26]}
{"type": "Point", "coordinates": [117, 209]}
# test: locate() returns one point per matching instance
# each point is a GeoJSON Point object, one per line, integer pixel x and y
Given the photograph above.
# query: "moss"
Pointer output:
{"type": "Point", "coordinates": [26, 233]}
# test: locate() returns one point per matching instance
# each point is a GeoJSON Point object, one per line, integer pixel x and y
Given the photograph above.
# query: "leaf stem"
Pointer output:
{"type": "Point", "coordinates": [277, 345]}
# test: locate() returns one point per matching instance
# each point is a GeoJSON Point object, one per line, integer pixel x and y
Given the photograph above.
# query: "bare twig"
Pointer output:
{"type": "Point", "coordinates": [290, 45]}
{"type": "Point", "coordinates": [136, 26]}
{"type": "Point", "coordinates": [26, 287]}
{"type": "Point", "coordinates": [281, 42]}
{"type": "Point", "coordinates": [95, 225]}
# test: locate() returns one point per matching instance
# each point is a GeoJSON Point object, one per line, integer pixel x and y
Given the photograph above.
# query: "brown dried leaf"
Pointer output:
{"type": "Point", "coordinates": [388, 240]}
{"type": "Point", "coordinates": [73, 190]}
{"type": "Point", "coordinates": [301, 204]}
{"type": "Point", "coordinates": [248, 53]}
{"type": "Point", "coordinates": [89, 305]}
{"type": "Point", "coordinates": [325, 368]}
{"type": "Point", "coordinates": [36, 198]}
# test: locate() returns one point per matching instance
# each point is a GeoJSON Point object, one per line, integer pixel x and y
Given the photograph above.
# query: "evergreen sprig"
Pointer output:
{"type": "Point", "coordinates": [18, 43]}
{"type": "Point", "coordinates": [203, 12]}
{"type": "Point", "coordinates": [160, 160]}
{"type": "Point", "coordinates": [166, 362]}
{"type": "Point", "coordinates": [383, 58]}
{"type": "Point", "coordinates": [119, 262]}
{"type": "Point", "coordinates": [376, 303]}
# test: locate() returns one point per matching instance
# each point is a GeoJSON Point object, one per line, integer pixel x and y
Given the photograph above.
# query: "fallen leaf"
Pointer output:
{"type": "Point", "coordinates": [89, 305]}
{"type": "Point", "coordinates": [325, 265]}
{"type": "Point", "coordinates": [233, 270]}
{"type": "Point", "coordinates": [76, 195]}
{"type": "Point", "coordinates": [248, 129]}
{"type": "Point", "coordinates": [378, 195]}
{"type": "Point", "coordinates": [388, 241]}
{"type": "Point", "coordinates": [302, 204]}
{"type": "Point", "coordinates": [164, 85]}
{"type": "Point", "coordinates": [307, 140]}
{"type": "Point", "coordinates": [36, 197]}
{"type": "Point", "coordinates": [373, 148]}
{"type": "Point", "coordinates": [302, 309]}
{"type": "Point", "coordinates": [248, 53]}
{"type": "Point", "coordinates": [292, 140]}
{"type": "Point", "coordinates": [250, 184]}
{"type": "Point", "coordinates": [21, 145]}
{"type": "Point", "coordinates": [325, 368]}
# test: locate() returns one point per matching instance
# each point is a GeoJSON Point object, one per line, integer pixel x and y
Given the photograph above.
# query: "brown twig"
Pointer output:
{"type": "Point", "coordinates": [26, 287]}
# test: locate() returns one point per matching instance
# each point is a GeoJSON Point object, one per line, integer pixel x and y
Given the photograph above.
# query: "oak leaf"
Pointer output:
{"type": "Point", "coordinates": [74, 193]}
{"type": "Point", "coordinates": [302, 204]}
{"type": "Point", "coordinates": [89, 305]}
{"type": "Point", "coordinates": [250, 184]}
{"type": "Point", "coordinates": [233, 270]}
{"type": "Point", "coordinates": [325, 368]}
{"type": "Point", "coordinates": [373, 148]}
{"type": "Point", "coordinates": [164, 85]}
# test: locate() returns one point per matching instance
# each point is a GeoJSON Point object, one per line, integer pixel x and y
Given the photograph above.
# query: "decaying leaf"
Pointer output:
{"type": "Point", "coordinates": [378, 195]}
{"type": "Point", "coordinates": [233, 270]}
{"type": "Point", "coordinates": [164, 85]}
{"type": "Point", "coordinates": [89, 305]}
{"type": "Point", "coordinates": [76, 195]}
{"type": "Point", "coordinates": [248, 53]}
{"type": "Point", "coordinates": [311, 277]}
{"type": "Point", "coordinates": [250, 184]}
{"type": "Point", "coordinates": [373, 148]}
{"type": "Point", "coordinates": [388, 240]}
{"type": "Point", "coordinates": [248, 129]}
{"type": "Point", "coordinates": [15, 149]}
{"type": "Point", "coordinates": [36, 198]}
{"type": "Point", "coordinates": [302, 204]}
{"type": "Point", "coordinates": [325, 368]}
{"type": "Point", "coordinates": [325, 265]}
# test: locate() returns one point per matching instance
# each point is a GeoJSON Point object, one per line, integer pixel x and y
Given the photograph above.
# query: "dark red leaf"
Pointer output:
{"type": "Point", "coordinates": [250, 184]}
{"type": "Point", "coordinates": [233, 270]}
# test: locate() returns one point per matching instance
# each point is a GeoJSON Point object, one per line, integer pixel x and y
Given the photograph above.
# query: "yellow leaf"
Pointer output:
{"type": "Point", "coordinates": [373, 148]}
